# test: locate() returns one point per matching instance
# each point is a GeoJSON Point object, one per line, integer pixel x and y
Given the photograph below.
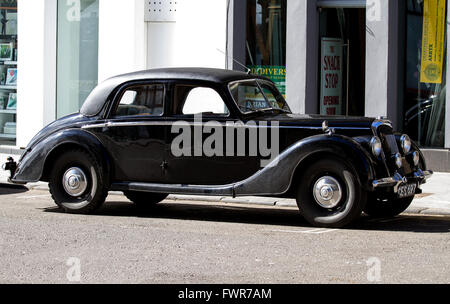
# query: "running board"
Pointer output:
{"type": "Point", "coordinates": [225, 190]}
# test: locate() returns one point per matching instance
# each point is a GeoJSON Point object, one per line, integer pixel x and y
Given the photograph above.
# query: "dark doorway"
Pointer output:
{"type": "Point", "coordinates": [342, 35]}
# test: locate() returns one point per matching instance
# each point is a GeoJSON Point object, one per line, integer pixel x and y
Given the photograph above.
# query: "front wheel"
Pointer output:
{"type": "Point", "coordinates": [330, 195]}
{"type": "Point", "coordinates": [377, 207]}
{"type": "Point", "coordinates": [78, 182]}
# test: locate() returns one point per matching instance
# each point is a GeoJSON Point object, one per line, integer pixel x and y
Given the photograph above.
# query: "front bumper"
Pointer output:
{"type": "Point", "coordinates": [420, 177]}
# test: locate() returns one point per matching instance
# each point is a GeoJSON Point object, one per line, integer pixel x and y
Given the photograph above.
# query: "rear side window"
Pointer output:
{"type": "Point", "coordinates": [191, 100]}
{"type": "Point", "coordinates": [141, 100]}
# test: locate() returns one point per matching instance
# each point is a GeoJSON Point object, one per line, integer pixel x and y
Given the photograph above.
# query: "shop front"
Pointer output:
{"type": "Point", "coordinates": [352, 58]}
{"type": "Point", "coordinates": [375, 58]}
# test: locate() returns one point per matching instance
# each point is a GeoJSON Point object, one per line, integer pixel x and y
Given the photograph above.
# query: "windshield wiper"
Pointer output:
{"type": "Point", "coordinates": [270, 110]}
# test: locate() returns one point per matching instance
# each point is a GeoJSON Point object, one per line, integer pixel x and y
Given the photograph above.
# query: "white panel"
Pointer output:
{"type": "Point", "coordinates": [200, 37]}
{"type": "Point", "coordinates": [122, 45]}
{"type": "Point", "coordinates": [161, 10]}
{"type": "Point", "coordinates": [161, 44]}
{"type": "Point", "coordinates": [37, 67]}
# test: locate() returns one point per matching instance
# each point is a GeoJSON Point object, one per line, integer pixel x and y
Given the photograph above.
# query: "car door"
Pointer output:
{"type": "Point", "coordinates": [201, 148]}
{"type": "Point", "coordinates": [135, 133]}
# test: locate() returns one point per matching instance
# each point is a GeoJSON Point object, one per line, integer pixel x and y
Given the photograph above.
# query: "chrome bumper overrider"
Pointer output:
{"type": "Point", "coordinates": [397, 180]}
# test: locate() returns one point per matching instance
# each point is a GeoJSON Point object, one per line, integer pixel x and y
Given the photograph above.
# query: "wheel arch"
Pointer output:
{"type": "Point", "coordinates": [94, 150]}
{"type": "Point", "coordinates": [36, 163]}
{"type": "Point", "coordinates": [361, 174]}
{"type": "Point", "coordinates": [279, 177]}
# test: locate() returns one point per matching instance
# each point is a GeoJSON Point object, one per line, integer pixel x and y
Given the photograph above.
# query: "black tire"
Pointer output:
{"type": "Point", "coordinates": [145, 199]}
{"type": "Point", "coordinates": [348, 208]}
{"type": "Point", "coordinates": [96, 189]}
{"type": "Point", "coordinates": [376, 207]}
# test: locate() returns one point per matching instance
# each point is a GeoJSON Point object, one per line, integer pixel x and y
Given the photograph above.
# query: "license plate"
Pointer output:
{"type": "Point", "coordinates": [407, 190]}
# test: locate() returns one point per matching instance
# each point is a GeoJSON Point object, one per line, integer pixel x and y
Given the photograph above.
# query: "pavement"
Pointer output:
{"type": "Point", "coordinates": [179, 242]}
{"type": "Point", "coordinates": [435, 199]}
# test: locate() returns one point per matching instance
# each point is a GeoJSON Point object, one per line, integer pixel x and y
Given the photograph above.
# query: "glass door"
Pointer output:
{"type": "Point", "coordinates": [342, 62]}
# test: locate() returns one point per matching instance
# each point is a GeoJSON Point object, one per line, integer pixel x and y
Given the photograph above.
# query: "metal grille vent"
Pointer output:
{"type": "Point", "coordinates": [161, 10]}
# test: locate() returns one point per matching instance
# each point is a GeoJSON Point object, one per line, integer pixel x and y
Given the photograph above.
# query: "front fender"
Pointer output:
{"type": "Point", "coordinates": [277, 178]}
{"type": "Point", "coordinates": [31, 166]}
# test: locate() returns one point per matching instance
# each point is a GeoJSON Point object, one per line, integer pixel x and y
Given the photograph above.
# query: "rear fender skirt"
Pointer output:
{"type": "Point", "coordinates": [31, 166]}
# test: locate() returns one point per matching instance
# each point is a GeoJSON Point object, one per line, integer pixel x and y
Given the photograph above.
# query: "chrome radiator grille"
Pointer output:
{"type": "Point", "coordinates": [389, 144]}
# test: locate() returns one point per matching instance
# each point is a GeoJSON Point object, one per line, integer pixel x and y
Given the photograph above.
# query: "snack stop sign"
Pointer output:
{"type": "Point", "coordinates": [331, 77]}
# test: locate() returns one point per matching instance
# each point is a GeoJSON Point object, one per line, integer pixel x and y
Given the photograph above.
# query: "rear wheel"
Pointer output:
{"type": "Point", "coordinates": [145, 199]}
{"type": "Point", "coordinates": [330, 195]}
{"type": "Point", "coordinates": [377, 207]}
{"type": "Point", "coordinates": [78, 182]}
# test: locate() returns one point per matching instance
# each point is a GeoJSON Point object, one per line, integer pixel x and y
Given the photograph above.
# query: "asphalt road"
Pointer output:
{"type": "Point", "coordinates": [201, 242]}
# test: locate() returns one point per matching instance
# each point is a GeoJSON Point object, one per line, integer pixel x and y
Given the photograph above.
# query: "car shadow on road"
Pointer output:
{"type": "Point", "coordinates": [6, 189]}
{"type": "Point", "coordinates": [265, 216]}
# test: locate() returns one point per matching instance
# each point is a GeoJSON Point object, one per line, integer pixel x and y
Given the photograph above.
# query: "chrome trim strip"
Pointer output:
{"type": "Point", "coordinates": [211, 123]}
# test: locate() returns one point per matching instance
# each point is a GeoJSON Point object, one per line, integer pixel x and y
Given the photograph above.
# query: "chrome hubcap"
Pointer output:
{"type": "Point", "coordinates": [327, 192]}
{"type": "Point", "coordinates": [75, 182]}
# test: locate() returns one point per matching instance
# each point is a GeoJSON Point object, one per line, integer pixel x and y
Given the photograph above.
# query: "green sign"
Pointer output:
{"type": "Point", "coordinates": [275, 73]}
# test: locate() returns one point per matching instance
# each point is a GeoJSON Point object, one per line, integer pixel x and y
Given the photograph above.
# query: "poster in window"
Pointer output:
{"type": "Point", "coordinates": [331, 76]}
{"type": "Point", "coordinates": [433, 40]}
{"type": "Point", "coordinates": [275, 73]}
{"type": "Point", "coordinates": [11, 77]}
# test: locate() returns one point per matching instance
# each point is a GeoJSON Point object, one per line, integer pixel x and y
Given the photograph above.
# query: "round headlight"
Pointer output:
{"type": "Point", "coordinates": [375, 145]}
{"type": "Point", "coordinates": [406, 143]}
{"type": "Point", "coordinates": [398, 160]}
{"type": "Point", "coordinates": [416, 158]}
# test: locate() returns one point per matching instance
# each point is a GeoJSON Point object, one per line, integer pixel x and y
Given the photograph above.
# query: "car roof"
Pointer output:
{"type": "Point", "coordinates": [95, 101]}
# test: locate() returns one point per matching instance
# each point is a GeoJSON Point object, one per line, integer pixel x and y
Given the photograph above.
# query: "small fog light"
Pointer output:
{"type": "Point", "coordinates": [376, 146]}
{"type": "Point", "coordinates": [406, 143]}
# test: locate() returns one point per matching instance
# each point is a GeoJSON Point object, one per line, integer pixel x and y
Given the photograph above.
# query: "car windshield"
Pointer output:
{"type": "Point", "coordinates": [258, 96]}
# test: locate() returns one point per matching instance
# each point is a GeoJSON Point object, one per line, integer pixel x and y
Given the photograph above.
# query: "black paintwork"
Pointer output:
{"type": "Point", "coordinates": [138, 157]}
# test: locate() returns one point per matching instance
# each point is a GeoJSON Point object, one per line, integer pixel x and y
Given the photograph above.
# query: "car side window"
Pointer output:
{"type": "Point", "coordinates": [198, 100]}
{"type": "Point", "coordinates": [141, 100]}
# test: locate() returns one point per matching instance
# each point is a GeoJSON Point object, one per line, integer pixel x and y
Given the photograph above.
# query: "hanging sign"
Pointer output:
{"type": "Point", "coordinates": [331, 76]}
{"type": "Point", "coordinates": [433, 40]}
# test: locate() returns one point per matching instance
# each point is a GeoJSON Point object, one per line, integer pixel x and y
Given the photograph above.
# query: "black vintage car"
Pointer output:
{"type": "Point", "coordinates": [217, 132]}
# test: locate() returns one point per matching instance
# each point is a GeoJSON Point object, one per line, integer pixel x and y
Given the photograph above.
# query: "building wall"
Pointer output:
{"type": "Point", "coordinates": [36, 91]}
{"type": "Point", "coordinates": [122, 38]}
{"type": "Point", "coordinates": [195, 37]}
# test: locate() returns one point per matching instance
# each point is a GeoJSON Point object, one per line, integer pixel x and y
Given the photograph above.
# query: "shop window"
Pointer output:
{"type": "Point", "coordinates": [266, 40]}
{"type": "Point", "coordinates": [77, 62]}
{"type": "Point", "coordinates": [8, 72]}
{"type": "Point", "coordinates": [425, 77]}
